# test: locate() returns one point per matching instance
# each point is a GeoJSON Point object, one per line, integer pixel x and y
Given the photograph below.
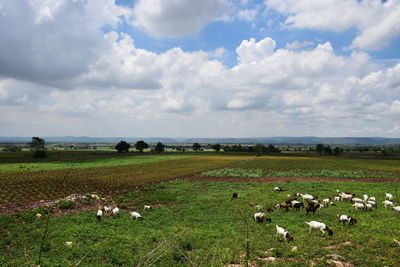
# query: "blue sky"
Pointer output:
{"type": "Point", "coordinates": [237, 68]}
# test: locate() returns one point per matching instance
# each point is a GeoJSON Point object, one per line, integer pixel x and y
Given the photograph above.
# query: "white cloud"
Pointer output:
{"type": "Point", "coordinates": [252, 51]}
{"type": "Point", "coordinates": [175, 18]}
{"type": "Point", "coordinates": [298, 45]}
{"type": "Point", "coordinates": [116, 88]}
{"type": "Point", "coordinates": [247, 14]}
{"type": "Point", "coordinates": [378, 22]}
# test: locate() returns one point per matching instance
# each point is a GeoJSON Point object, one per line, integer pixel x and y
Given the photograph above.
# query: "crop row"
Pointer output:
{"type": "Point", "coordinates": [28, 186]}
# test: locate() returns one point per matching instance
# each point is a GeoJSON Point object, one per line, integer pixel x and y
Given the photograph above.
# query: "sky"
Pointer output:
{"type": "Point", "coordinates": [200, 68]}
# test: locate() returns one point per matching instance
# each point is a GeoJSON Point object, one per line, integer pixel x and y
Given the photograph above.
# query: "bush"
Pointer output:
{"type": "Point", "coordinates": [66, 204]}
{"type": "Point", "coordinates": [39, 154]}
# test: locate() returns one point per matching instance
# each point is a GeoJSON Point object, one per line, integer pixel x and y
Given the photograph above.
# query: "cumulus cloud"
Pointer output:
{"type": "Point", "coordinates": [48, 41]}
{"type": "Point", "coordinates": [252, 51]}
{"type": "Point", "coordinates": [116, 88]}
{"type": "Point", "coordinates": [177, 17]}
{"type": "Point", "coordinates": [378, 22]}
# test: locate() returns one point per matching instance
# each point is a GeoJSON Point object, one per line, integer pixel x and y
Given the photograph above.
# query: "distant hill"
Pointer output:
{"type": "Point", "coordinates": [307, 140]}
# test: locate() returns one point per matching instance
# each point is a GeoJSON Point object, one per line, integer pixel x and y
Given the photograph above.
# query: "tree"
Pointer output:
{"type": "Point", "coordinates": [337, 151]}
{"type": "Point", "coordinates": [319, 148]}
{"type": "Point", "coordinates": [141, 145]}
{"type": "Point", "coordinates": [328, 150]}
{"type": "Point", "coordinates": [216, 147]}
{"type": "Point", "coordinates": [259, 149]}
{"type": "Point", "coordinates": [159, 147]}
{"type": "Point", "coordinates": [122, 147]}
{"type": "Point", "coordinates": [196, 146]}
{"type": "Point", "coordinates": [38, 146]}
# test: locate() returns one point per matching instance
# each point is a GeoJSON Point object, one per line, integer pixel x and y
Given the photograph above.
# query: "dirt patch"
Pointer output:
{"type": "Point", "coordinates": [347, 243]}
{"type": "Point", "coordinates": [291, 179]}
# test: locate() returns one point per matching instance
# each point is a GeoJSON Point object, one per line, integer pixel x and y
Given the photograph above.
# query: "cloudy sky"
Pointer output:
{"type": "Point", "coordinates": [200, 68]}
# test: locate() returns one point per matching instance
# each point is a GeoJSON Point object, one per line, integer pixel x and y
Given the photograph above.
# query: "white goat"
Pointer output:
{"type": "Point", "coordinates": [389, 196]}
{"type": "Point", "coordinates": [359, 206]}
{"type": "Point", "coordinates": [387, 203]}
{"type": "Point", "coordinates": [337, 198]}
{"type": "Point", "coordinates": [365, 197]}
{"type": "Point", "coordinates": [147, 207]}
{"type": "Point", "coordinates": [282, 232]}
{"type": "Point", "coordinates": [136, 215]}
{"type": "Point", "coordinates": [319, 226]}
{"type": "Point", "coordinates": [114, 212]}
{"type": "Point", "coordinates": [397, 209]}
{"type": "Point", "coordinates": [372, 199]}
{"type": "Point", "coordinates": [99, 214]}
{"type": "Point", "coordinates": [259, 216]}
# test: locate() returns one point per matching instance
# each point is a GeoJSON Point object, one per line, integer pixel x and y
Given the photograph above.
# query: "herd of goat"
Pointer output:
{"type": "Point", "coordinates": [365, 203]}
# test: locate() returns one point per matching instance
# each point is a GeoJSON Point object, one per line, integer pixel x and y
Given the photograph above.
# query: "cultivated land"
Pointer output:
{"type": "Point", "coordinates": [195, 222]}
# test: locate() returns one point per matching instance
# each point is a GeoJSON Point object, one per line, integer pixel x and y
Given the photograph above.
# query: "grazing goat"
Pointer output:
{"type": "Point", "coordinates": [298, 205]}
{"type": "Point", "coordinates": [319, 226]}
{"type": "Point", "coordinates": [345, 218]}
{"type": "Point", "coordinates": [234, 196]}
{"type": "Point", "coordinates": [107, 209]}
{"type": "Point", "coordinates": [279, 189]}
{"type": "Point", "coordinates": [147, 207]}
{"type": "Point", "coordinates": [389, 196]}
{"type": "Point", "coordinates": [99, 215]}
{"type": "Point", "coordinates": [307, 196]}
{"type": "Point", "coordinates": [285, 234]}
{"type": "Point", "coordinates": [114, 212]}
{"type": "Point", "coordinates": [372, 199]}
{"type": "Point", "coordinates": [312, 208]}
{"type": "Point", "coordinates": [368, 207]}
{"type": "Point", "coordinates": [359, 206]}
{"type": "Point", "coordinates": [365, 197]}
{"type": "Point", "coordinates": [260, 217]}
{"type": "Point", "coordinates": [357, 200]}
{"type": "Point", "coordinates": [326, 201]}
{"type": "Point", "coordinates": [387, 203]}
{"type": "Point", "coordinates": [284, 205]}
{"type": "Point", "coordinates": [136, 215]}
{"type": "Point", "coordinates": [397, 209]}
{"type": "Point", "coordinates": [337, 198]}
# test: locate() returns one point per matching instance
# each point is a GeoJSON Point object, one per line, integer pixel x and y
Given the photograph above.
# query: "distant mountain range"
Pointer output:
{"type": "Point", "coordinates": [307, 140]}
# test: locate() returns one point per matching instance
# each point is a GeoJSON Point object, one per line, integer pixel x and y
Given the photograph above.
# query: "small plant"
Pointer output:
{"type": "Point", "coordinates": [240, 173]}
{"type": "Point", "coordinates": [66, 204]}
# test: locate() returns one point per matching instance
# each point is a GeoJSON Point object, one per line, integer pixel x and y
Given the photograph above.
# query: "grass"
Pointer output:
{"type": "Point", "coordinates": [197, 224]}
{"type": "Point", "coordinates": [17, 187]}
{"type": "Point", "coordinates": [324, 167]}
{"type": "Point", "coordinates": [88, 163]}
{"type": "Point", "coordinates": [360, 174]}
{"type": "Point", "coordinates": [234, 172]}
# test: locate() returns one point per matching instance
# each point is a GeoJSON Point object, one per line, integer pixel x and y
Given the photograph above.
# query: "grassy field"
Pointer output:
{"type": "Point", "coordinates": [87, 163]}
{"type": "Point", "coordinates": [197, 224]}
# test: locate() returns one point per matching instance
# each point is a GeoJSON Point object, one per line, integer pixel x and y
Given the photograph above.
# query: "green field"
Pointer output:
{"type": "Point", "coordinates": [89, 163]}
{"type": "Point", "coordinates": [194, 222]}
{"type": "Point", "coordinates": [197, 224]}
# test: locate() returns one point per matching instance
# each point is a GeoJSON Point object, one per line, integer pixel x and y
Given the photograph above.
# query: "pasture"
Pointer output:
{"type": "Point", "coordinates": [195, 222]}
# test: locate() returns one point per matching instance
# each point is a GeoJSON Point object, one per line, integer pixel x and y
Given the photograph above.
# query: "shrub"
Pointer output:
{"type": "Point", "coordinates": [66, 204]}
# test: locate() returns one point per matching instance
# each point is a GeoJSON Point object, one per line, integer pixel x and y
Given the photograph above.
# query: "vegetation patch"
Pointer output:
{"type": "Point", "coordinates": [235, 173]}
{"type": "Point", "coordinates": [360, 174]}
